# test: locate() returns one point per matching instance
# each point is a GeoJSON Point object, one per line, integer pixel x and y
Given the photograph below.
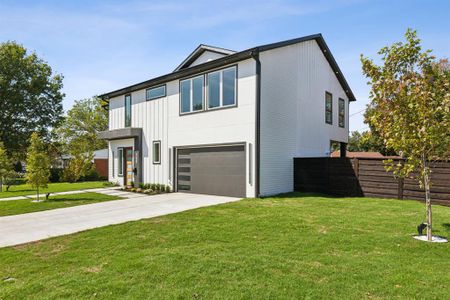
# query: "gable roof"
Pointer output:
{"type": "Point", "coordinates": [199, 51]}
{"type": "Point", "coordinates": [232, 58]}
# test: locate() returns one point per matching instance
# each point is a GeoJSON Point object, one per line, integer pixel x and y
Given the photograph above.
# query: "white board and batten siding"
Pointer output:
{"type": "Point", "coordinates": [160, 120]}
{"type": "Point", "coordinates": [293, 84]}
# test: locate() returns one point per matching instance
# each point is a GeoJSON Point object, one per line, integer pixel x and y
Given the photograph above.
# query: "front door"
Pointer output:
{"type": "Point", "coordinates": [129, 168]}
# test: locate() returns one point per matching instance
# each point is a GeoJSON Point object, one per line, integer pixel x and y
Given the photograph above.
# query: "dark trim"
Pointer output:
{"type": "Point", "coordinates": [153, 152]}
{"type": "Point", "coordinates": [339, 112]}
{"type": "Point", "coordinates": [120, 134]}
{"type": "Point", "coordinates": [120, 149]}
{"type": "Point", "coordinates": [255, 56]}
{"type": "Point", "coordinates": [205, 90]}
{"type": "Point", "coordinates": [155, 87]}
{"type": "Point", "coordinates": [125, 110]}
{"type": "Point", "coordinates": [202, 48]}
{"type": "Point", "coordinates": [217, 63]}
{"type": "Point", "coordinates": [326, 111]}
{"type": "Point", "coordinates": [233, 58]}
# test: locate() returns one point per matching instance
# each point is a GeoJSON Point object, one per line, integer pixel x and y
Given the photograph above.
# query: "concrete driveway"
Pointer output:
{"type": "Point", "coordinates": [25, 228]}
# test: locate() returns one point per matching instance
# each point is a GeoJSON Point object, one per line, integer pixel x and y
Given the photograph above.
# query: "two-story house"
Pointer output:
{"type": "Point", "coordinates": [230, 123]}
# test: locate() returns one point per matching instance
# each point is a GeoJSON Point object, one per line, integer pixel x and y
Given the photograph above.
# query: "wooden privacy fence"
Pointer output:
{"type": "Point", "coordinates": [366, 177]}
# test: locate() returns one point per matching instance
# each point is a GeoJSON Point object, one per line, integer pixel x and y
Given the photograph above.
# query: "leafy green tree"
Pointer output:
{"type": "Point", "coordinates": [31, 98]}
{"type": "Point", "coordinates": [5, 166]}
{"type": "Point", "coordinates": [367, 141]}
{"type": "Point", "coordinates": [410, 109]}
{"type": "Point", "coordinates": [82, 124]}
{"type": "Point", "coordinates": [38, 164]}
{"type": "Point", "coordinates": [79, 133]}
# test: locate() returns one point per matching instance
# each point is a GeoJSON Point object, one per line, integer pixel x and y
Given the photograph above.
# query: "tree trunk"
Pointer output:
{"type": "Point", "coordinates": [1, 185]}
{"type": "Point", "coordinates": [426, 182]}
{"type": "Point", "coordinates": [38, 194]}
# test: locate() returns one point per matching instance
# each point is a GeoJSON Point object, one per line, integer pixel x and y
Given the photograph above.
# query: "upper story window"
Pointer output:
{"type": "Point", "coordinates": [328, 108]}
{"type": "Point", "coordinates": [341, 112]}
{"type": "Point", "coordinates": [217, 89]}
{"type": "Point", "coordinates": [156, 92]}
{"type": "Point", "coordinates": [192, 93]}
{"type": "Point", "coordinates": [127, 110]}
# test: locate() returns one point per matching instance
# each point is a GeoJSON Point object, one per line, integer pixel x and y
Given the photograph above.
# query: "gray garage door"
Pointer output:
{"type": "Point", "coordinates": [212, 170]}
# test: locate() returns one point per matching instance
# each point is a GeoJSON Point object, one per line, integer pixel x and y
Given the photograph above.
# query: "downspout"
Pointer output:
{"type": "Point", "coordinates": [255, 56]}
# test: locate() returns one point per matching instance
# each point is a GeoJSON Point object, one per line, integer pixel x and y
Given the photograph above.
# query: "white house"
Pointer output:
{"type": "Point", "coordinates": [230, 123]}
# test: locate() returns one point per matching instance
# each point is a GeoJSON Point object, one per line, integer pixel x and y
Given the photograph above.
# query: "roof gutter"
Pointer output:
{"type": "Point", "coordinates": [180, 74]}
{"type": "Point", "coordinates": [255, 56]}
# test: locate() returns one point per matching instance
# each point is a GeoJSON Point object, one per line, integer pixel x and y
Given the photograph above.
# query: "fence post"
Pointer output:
{"type": "Point", "coordinates": [356, 166]}
{"type": "Point", "coordinates": [400, 188]}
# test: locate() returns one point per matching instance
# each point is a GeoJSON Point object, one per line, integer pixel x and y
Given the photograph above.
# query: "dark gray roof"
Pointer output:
{"type": "Point", "coordinates": [232, 58]}
{"type": "Point", "coordinates": [199, 51]}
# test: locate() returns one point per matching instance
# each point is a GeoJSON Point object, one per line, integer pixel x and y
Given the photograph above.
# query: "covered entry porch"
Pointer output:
{"type": "Point", "coordinates": [125, 155]}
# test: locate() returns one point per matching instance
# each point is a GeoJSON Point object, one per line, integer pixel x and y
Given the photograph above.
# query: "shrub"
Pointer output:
{"type": "Point", "coordinates": [110, 184]}
{"type": "Point", "coordinates": [91, 175]}
{"type": "Point", "coordinates": [139, 190]}
{"type": "Point", "coordinates": [56, 174]}
{"type": "Point", "coordinates": [167, 189]}
{"type": "Point", "coordinates": [149, 191]}
{"type": "Point", "coordinates": [133, 190]}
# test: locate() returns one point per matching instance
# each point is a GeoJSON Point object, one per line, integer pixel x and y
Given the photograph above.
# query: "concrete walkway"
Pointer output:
{"type": "Point", "coordinates": [95, 190]}
{"type": "Point", "coordinates": [19, 229]}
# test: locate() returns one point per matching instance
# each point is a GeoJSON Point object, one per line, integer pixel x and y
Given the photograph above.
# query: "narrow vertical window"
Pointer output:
{"type": "Point", "coordinates": [341, 112]}
{"type": "Point", "coordinates": [112, 164]}
{"type": "Point", "coordinates": [229, 87]}
{"type": "Point", "coordinates": [214, 89]}
{"type": "Point", "coordinates": [120, 161]}
{"type": "Point", "coordinates": [250, 164]}
{"type": "Point", "coordinates": [156, 152]}
{"type": "Point", "coordinates": [185, 90]}
{"type": "Point", "coordinates": [197, 93]}
{"type": "Point", "coordinates": [128, 111]}
{"type": "Point", "coordinates": [328, 108]}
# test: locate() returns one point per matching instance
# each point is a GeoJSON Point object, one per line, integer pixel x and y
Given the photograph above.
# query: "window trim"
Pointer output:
{"type": "Point", "coordinates": [342, 125]}
{"type": "Point", "coordinates": [119, 164]}
{"type": "Point", "coordinates": [156, 162]}
{"type": "Point", "coordinates": [205, 90]}
{"type": "Point", "coordinates": [125, 110]}
{"type": "Point", "coordinates": [326, 110]}
{"type": "Point", "coordinates": [155, 87]}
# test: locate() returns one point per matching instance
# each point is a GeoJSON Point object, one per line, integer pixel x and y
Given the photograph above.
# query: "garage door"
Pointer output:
{"type": "Point", "coordinates": [212, 170]}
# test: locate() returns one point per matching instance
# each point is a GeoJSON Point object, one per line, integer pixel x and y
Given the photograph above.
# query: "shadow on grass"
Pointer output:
{"type": "Point", "coordinates": [300, 195]}
{"type": "Point", "coordinates": [69, 199]}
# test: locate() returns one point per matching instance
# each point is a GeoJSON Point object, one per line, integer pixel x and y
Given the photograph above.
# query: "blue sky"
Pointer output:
{"type": "Point", "coordinates": [100, 46]}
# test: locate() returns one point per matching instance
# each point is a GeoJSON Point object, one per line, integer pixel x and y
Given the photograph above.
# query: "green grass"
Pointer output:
{"type": "Point", "coordinates": [293, 247]}
{"type": "Point", "coordinates": [25, 189]}
{"type": "Point", "coordinates": [15, 207]}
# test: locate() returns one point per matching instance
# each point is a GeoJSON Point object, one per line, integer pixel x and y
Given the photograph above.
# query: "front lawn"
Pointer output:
{"type": "Point", "coordinates": [15, 207]}
{"type": "Point", "coordinates": [292, 247]}
{"type": "Point", "coordinates": [25, 189]}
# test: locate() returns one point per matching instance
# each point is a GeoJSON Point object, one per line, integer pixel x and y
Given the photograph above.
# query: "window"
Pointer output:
{"type": "Point", "coordinates": [156, 92]}
{"type": "Point", "coordinates": [127, 110]}
{"type": "Point", "coordinates": [112, 162]}
{"type": "Point", "coordinates": [120, 161]}
{"type": "Point", "coordinates": [328, 108]}
{"type": "Point", "coordinates": [156, 152]}
{"type": "Point", "coordinates": [192, 89]}
{"type": "Point", "coordinates": [185, 91]}
{"type": "Point", "coordinates": [229, 87]}
{"type": "Point", "coordinates": [220, 91]}
{"type": "Point", "coordinates": [197, 93]}
{"type": "Point", "coordinates": [214, 90]}
{"type": "Point", "coordinates": [341, 112]}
